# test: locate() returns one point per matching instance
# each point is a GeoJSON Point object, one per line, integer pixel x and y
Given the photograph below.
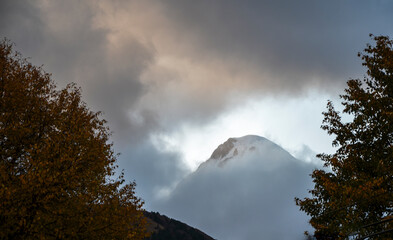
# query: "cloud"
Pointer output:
{"type": "Point", "coordinates": [291, 46]}
{"type": "Point", "coordinates": [209, 56]}
{"type": "Point", "coordinates": [155, 172]}
{"type": "Point", "coordinates": [151, 65]}
{"type": "Point", "coordinates": [251, 198]}
{"type": "Point", "coordinates": [64, 37]}
{"type": "Point", "coordinates": [154, 66]}
{"type": "Point", "coordinates": [69, 40]}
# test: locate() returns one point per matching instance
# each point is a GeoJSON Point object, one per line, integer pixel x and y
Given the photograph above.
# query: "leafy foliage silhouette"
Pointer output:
{"type": "Point", "coordinates": [358, 188]}
{"type": "Point", "coordinates": [57, 167]}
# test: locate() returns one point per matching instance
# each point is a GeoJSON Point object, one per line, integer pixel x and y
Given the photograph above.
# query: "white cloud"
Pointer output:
{"type": "Point", "coordinates": [251, 197]}
{"type": "Point", "coordinates": [293, 123]}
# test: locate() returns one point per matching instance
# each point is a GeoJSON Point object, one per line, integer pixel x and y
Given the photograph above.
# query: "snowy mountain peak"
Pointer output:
{"type": "Point", "coordinates": [231, 147]}
{"type": "Point", "coordinates": [249, 146]}
{"type": "Point", "coordinates": [252, 179]}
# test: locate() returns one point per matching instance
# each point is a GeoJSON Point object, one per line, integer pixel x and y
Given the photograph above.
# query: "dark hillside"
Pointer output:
{"type": "Point", "coordinates": [164, 228]}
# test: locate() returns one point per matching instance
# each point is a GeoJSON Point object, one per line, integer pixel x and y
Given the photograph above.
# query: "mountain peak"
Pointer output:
{"type": "Point", "coordinates": [241, 147]}
{"type": "Point", "coordinates": [224, 149]}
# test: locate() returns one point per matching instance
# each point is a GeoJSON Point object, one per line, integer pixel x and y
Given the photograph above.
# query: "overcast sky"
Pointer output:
{"type": "Point", "coordinates": [176, 78]}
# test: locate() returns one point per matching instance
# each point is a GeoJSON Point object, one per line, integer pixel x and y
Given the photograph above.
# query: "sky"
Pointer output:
{"type": "Point", "coordinates": [176, 78]}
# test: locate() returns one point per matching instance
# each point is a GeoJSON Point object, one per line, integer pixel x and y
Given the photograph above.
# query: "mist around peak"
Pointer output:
{"type": "Point", "coordinates": [245, 190]}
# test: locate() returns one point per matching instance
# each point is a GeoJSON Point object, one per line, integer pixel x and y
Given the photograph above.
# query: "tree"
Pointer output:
{"type": "Point", "coordinates": [357, 188]}
{"type": "Point", "coordinates": [57, 167]}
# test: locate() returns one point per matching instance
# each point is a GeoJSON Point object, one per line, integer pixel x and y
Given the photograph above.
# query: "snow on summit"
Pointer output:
{"type": "Point", "coordinates": [247, 148]}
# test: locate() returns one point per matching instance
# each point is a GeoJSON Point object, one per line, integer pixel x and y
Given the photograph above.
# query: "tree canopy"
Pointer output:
{"type": "Point", "coordinates": [356, 189]}
{"type": "Point", "coordinates": [57, 169]}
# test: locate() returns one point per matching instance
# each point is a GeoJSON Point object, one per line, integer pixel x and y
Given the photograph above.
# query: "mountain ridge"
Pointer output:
{"type": "Point", "coordinates": [241, 147]}
{"type": "Point", "coordinates": [162, 227]}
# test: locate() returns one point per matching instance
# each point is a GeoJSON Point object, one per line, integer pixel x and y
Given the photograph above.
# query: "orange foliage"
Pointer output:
{"type": "Point", "coordinates": [57, 167]}
{"type": "Point", "coordinates": [357, 187]}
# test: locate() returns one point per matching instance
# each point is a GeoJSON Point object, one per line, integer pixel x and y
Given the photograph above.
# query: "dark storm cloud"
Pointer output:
{"type": "Point", "coordinates": [21, 20]}
{"type": "Point", "coordinates": [147, 64]}
{"type": "Point", "coordinates": [301, 43]}
{"type": "Point", "coordinates": [55, 34]}
{"type": "Point", "coordinates": [61, 36]}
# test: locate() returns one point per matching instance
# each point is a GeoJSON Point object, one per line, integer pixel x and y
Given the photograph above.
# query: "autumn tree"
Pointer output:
{"type": "Point", "coordinates": [356, 188]}
{"type": "Point", "coordinates": [57, 168]}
